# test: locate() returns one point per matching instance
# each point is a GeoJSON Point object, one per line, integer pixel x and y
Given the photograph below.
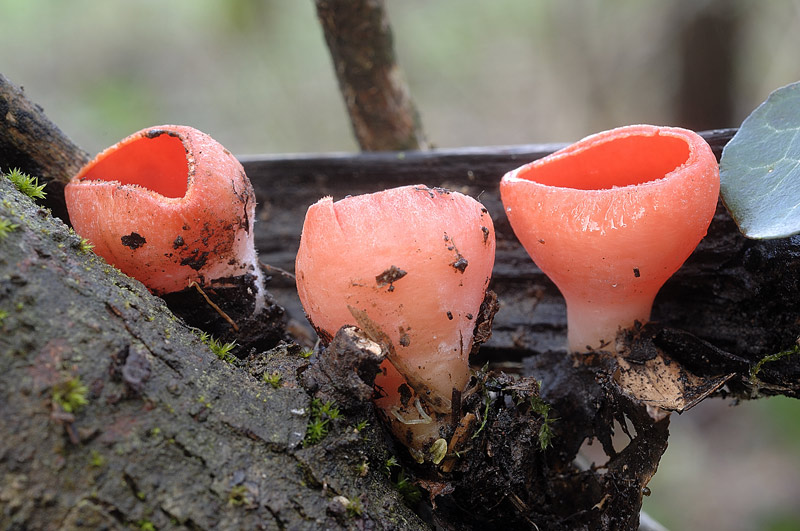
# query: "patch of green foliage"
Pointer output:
{"type": "Point", "coordinates": [407, 489]}
{"type": "Point", "coordinates": [273, 379]}
{"type": "Point", "coordinates": [239, 495]}
{"type": "Point", "coordinates": [360, 426]}
{"type": "Point", "coordinates": [84, 246]}
{"type": "Point", "coordinates": [221, 350]}
{"type": "Point", "coordinates": [540, 407]}
{"type": "Point", "coordinates": [70, 394]}
{"type": "Point", "coordinates": [487, 400]}
{"type": "Point", "coordinates": [6, 227]}
{"type": "Point", "coordinates": [97, 460]}
{"type": "Point", "coordinates": [306, 353]}
{"type": "Point", "coordinates": [318, 420]}
{"type": "Point", "coordinates": [3, 315]}
{"type": "Point", "coordinates": [26, 184]}
{"type": "Point", "coordinates": [354, 508]}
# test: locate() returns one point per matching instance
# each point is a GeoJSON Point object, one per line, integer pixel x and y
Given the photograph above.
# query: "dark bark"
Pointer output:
{"type": "Point", "coordinates": [170, 434]}
{"type": "Point", "coordinates": [378, 102]}
{"type": "Point", "coordinates": [31, 142]}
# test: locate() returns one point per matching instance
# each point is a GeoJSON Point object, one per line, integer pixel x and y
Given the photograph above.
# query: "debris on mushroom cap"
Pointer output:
{"type": "Point", "coordinates": [610, 218]}
{"type": "Point", "coordinates": [411, 265]}
{"type": "Point", "coordinates": [168, 206]}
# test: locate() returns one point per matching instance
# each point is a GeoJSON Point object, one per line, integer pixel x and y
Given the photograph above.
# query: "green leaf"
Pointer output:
{"type": "Point", "coordinates": [760, 168]}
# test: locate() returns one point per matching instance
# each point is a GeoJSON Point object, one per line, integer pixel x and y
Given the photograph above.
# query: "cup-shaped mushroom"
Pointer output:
{"type": "Point", "coordinates": [610, 218]}
{"type": "Point", "coordinates": [413, 262]}
{"type": "Point", "coordinates": [167, 205]}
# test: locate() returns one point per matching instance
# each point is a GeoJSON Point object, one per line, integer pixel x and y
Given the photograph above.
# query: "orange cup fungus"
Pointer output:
{"type": "Point", "coordinates": [415, 263]}
{"type": "Point", "coordinates": [610, 218]}
{"type": "Point", "coordinates": [167, 205]}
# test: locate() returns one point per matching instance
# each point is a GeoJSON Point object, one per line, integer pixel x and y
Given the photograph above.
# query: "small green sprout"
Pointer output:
{"type": "Point", "coordinates": [772, 357]}
{"type": "Point", "coordinates": [6, 227]}
{"type": "Point", "coordinates": [540, 407]}
{"type": "Point", "coordinates": [410, 492]}
{"type": "Point", "coordinates": [26, 184]}
{"type": "Point", "coordinates": [321, 415]}
{"type": "Point", "coordinates": [146, 525]}
{"type": "Point", "coordinates": [222, 351]}
{"type": "Point", "coordinates": [329, 411]}
{"type": "Point", "coordinates": [360, 426]}
{"type": "Point", "coordinates": [70, 394]}
{"type": "Point", "coordinates": [3, 315]}
{"type": "Point", "coordinates": [407, 489]}
{"type": "Point", "coordinates": [97, 460]}
{"type": "Point", "coordinates": [354, 508]}
{"type": "Point", "coordinates": [84, 246]}
{"type": "Point", "coordinates": [362, 468]}
{"type": "Point", "coordinates": [306, 353]}
{"type": "Point", "coordinates": [389, 463]}
{"type": "Point", "coordinates": [239, 495]}
{"type": "Point", "coordinates": [273, 379]}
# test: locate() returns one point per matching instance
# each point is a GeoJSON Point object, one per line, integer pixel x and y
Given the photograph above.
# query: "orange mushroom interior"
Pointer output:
{"type": "Point", "coordinates": [622, 161]}
{"type": "Point", "coordinates": [157, 162]}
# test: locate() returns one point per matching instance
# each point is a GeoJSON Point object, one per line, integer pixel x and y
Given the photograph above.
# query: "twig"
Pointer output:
{"type": "Point", "coordinates": [224, 315]}
{"type": "Point", "coordinates": [377, 97]}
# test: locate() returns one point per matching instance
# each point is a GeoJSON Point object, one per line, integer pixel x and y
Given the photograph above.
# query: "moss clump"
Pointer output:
{"type": "Point", "coordinates": [220, 349]}
{"type": "Point", "coordinates": [70, 395]}
{"type": "Point", "coordinates": [6, 227]}
{"type": "Point", "coordinates": [321, 415]}
{"type": "Point", "coordinates": [274, 379]}
{"type": "Point", "coordinates": [26, 184]}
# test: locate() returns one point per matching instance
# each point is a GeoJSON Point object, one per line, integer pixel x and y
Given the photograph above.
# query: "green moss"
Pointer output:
{"type": "Point", "coordinates": [540, 407]}
{"type": "Point", "coordinates": [84, 246]}
{"type": "Point", "coordinates": [273, 379]}
{"type": "Point", "coordinates": [239, 495]}
{"type": "Point", "coordinates": [354, 508]}
{"type": "Point", "coordinates": [70, 394]}
{"type": "Point", "coordinates": [221, 350]}
{"type": "Point", "coordinates": [320, 417]}
{"type": "Point", "coordinates": [146, 525]}
{"type": "Point", "coordinates": [767, 359]}
{"type": "Point", "coordinates": [3, 315]}
{"type": "Point", "coordinates": [26, 184]}
{"type": "Point", "coordinates": [6, 227]}
{"type": "Point", "coordinates": [97, 460]}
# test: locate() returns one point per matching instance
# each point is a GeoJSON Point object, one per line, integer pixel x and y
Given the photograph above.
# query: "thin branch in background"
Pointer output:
{"type": "Point", "coordinates": [377, 97]}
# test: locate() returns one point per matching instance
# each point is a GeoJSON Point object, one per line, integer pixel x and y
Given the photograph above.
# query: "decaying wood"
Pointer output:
{"type": "Point", "coordinates": [31, 142]}
{"type": "Point", "coordinates": [171, 436]}
{"type": "Point", "coordinates": [378, 101]}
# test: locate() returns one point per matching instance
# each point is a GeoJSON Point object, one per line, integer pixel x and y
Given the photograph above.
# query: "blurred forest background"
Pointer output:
{"type": "Point", "coordinates": [257, 76]}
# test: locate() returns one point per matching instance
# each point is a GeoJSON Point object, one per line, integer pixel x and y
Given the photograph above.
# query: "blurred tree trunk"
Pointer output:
{"type": "Point", "coordinates": [708, 55]}
{"type": "Point", "coordinates": [31, 142]}
{"type": "Point", "coordinates": [376, 95]}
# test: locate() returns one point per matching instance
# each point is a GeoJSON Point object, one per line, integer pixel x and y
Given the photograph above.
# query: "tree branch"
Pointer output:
{"type": "Point", "coordinates": [31, 142]}
{"type": "Point", "coordinates": [376, 95]}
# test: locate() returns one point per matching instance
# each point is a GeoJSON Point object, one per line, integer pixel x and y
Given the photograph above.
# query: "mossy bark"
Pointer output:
{"type": "Point", "coordinates": [170, 435]}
